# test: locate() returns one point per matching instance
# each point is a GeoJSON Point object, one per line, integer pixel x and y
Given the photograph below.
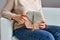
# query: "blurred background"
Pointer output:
{"type": "Point", "coordinates": [51, 3]}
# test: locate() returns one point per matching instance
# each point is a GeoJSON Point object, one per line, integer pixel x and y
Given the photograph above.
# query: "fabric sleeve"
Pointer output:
{"type": "Point", "coordinates": [6, 12]}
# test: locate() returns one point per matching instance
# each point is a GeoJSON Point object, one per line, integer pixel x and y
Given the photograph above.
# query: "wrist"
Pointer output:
{"type": "Point", "coordinates": [13, 15]}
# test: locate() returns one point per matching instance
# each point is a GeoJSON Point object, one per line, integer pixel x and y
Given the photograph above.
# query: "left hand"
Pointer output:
{"type": "Point", "coordinates": [40, 24]}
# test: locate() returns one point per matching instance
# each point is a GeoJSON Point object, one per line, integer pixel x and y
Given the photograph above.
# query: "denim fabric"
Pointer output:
{"type": "Point", "coordinates": [49, 33]}
{"type": "Point", "coordinates": [54, 30]}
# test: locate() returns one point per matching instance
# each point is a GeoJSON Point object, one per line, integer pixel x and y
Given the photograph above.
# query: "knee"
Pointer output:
{"type": "Point", "coordinates": [44, 35]}
{"type": "Point", "coordinates": [49, 36]}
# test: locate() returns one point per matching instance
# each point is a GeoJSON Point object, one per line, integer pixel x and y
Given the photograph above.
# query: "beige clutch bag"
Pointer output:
{"type": "Point", "coordinates": [33, 18]}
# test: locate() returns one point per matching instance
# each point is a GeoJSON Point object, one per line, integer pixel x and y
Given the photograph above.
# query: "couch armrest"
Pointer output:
{"type": "Point", "coordinates": [6, 29]}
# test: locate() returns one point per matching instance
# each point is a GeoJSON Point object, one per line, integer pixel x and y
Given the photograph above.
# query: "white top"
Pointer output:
{"type": "Point", "coordinates": [29, 5]}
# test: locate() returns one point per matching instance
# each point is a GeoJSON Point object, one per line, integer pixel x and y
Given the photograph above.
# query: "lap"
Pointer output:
{"type": "Point", "coordinates": [25, 34]}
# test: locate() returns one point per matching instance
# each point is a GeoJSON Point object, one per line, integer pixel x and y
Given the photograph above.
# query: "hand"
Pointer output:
{"type": "Point", "coordinates": [27, 22]}
{"type": "Point", "coordinates": [18, 18]}
{"type": "Point", "coordinates": [40, 24]}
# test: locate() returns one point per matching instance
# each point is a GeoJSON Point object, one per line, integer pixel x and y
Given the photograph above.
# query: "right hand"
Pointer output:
{"type": "Point", "coordinates": [18, 18]}
{"type": "Point", "coordinates": [22, 19]}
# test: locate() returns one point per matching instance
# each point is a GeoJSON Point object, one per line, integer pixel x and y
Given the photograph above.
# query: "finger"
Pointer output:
{"type": "Point", "coordinates": [20, 17]}
{"type": "Point", "coordinates": [21, 22]}
{"type": "Point", "coordinates": [24, 14]}
{"type": "Point", "coordinates": [25, 18]}
{"type": "Point", "coordinates": [17, 18]}
{"type": "Point", "coordinates": [41, 26]}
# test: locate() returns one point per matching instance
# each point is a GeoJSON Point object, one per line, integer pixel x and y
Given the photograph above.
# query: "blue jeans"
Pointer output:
{"type": "Point", "coordinates": [54, 30]}
{"type": "Point", "coordinates": [49, 33]}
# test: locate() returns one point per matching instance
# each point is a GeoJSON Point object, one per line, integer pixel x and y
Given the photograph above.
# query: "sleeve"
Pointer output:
{"type": "Point", "coordinates": [6, 12]}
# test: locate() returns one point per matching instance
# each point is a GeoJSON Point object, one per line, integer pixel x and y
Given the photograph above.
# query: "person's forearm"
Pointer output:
{"type": "Point", "coordinates": [6, 12]}
{"type": "Point", "coordinates": [7, 15]}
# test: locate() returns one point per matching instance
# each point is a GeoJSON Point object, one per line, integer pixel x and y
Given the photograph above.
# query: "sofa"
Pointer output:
{"type": "Point", "coordinates": [52, 16]}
